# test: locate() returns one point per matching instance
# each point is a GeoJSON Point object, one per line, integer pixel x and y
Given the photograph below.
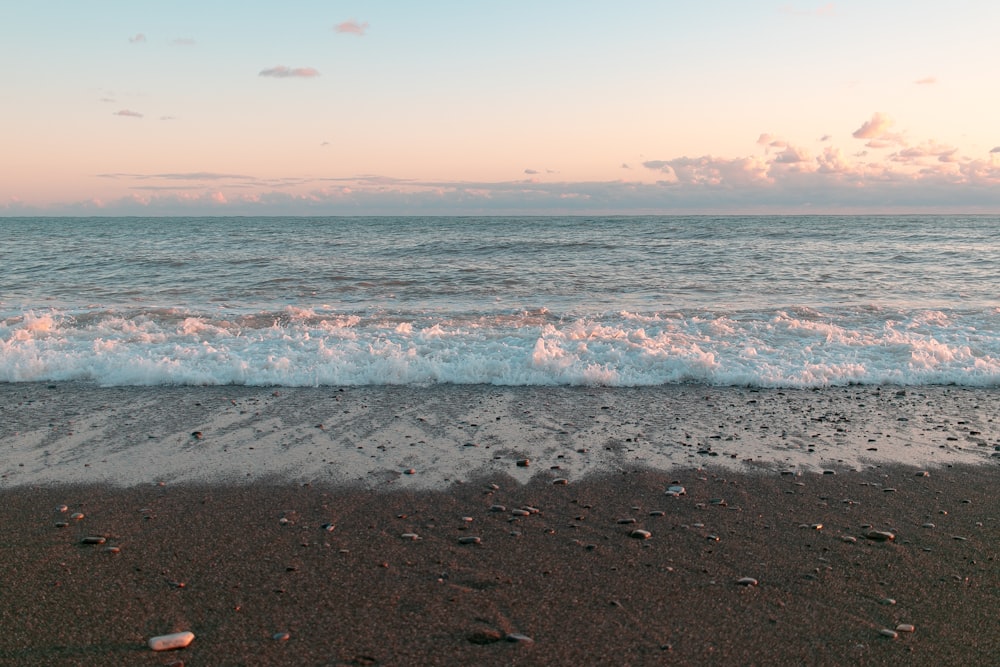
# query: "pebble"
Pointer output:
{"type": "Point", "coordinates": [329, 527]}
{"type": "Point", "coordinates": [905, 627]}
{"type": "Point", "coordinates": [171, 642]}
{"type": "Point", "coordinates": [888, 601]}
{"type": "Point", "coordinates": [560, 481]}
{"type": "Point", "coordinates": [497, 508]}
{"type": "Point", "coordinates": [76, 516]}
{"type": "Point", "coordinates": [518, 638]}
{"type": "Point", "coordinates": [657, 513]}
{"type": "Point", "coordinates": [640, 534]}
{"type": "Point", "coordinates": [927, 525]}
{"type": "Point", "coordinates": [886, 632]}
{"type": "Point", "coordinates": [624, 521]}
{"type": "Point", "coordinates": [61, 524]}
{"type": "Point", "coordinates": [676, 491]}
{"type": "Point", "coordinates": [470, 539]}
{"type": "Point", "coordinates": [523, 463]}
{"type": "Point", "coordinates": [112, 550]}
{"type": "Point", "coordinates": [410, 471]}
{"type": "Point", "coordinates": [849, 538]}
{"type": "Point", "coordinates": [520, 512]}
{"type": "Point", "coordinates": [93, 539]}
{"type": "Point", "coordinates": [410, 536]}
{"type": "Point", "coordinates": [62, 508]}
{"type": "Point", "coordinates": [880, 535]}
{"type": "Point", "coordinates": [281, 636]}
{"type": "Point", "coordinates": [923, 473]}
{"type": "Point", "coordinates": [747, 581]}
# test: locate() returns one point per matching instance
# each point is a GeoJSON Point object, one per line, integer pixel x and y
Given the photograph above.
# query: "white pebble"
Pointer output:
{"type": "Point", "coordinates": [640, 534]}
{"type": "Point", "coordinates": [171, 642]}
{"type": "Point", "coordinates": [905, 627]}
{"type": "Point", "coordinates": [886, 632]}
{"type": "Point", "coordinates": [747, 581]}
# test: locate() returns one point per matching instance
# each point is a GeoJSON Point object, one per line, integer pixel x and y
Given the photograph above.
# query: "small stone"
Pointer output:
{"type": "Point", "coordinates": [657, 513]}
{"type": "Point", "coordinates": [887, 601]}
{"type": "Point", "coordinates": [520, 512]}
{"type": "Point", "coordinates": [113, 550]}
{"type": "Point", "coordinates": [485, 636]}
{"type": "Point", "coordinates": [886, 632]}
{"type": "Point", "coordinates": [410, 471]}
{"type": "Point", "coordinates": [197, 435]}
{"type": "Point", "coordinates": [523, 463]}
{"type": "Point", "coordinates": [624, 521]}
{"type": "Point", "coordinates": [905, 627]}
{"type": "Point", "coordinates": [470, 539]}
{"type": "Point", "coordinates": [923, 473]}
{"type": "Point", "coordinates": [93, 539]}
{"type": "Point", "coordinates": [560, 481]}
{"type": "Point", "coordinates": [849, 539]}
{"type": "Point", "coordinates": [880, 535]}
{"type": "Point", "coordinates": [171, 642]}
{"type": "Point", "coordinates": [640, 534]}
{"type": "Point", "coordinates": [927, 525]}
{"type": "Point", "coordinates": [281, 636]}
{"type": "Point", "coordinates": [497, 508]}
{"type": "Point", "coordinates": [676, 491]}
{"type": "Point", "coordinates": [77, 516]}
{"type": "Point", "coordinates": [410, 536]}
{"type": "Point", "coordinates": [61, 524]}
{"type": "Point", "coordinates": [62, 508]}
{"type": "Point", "coordinates": [889, 490]}
{"type": "Point", "coordinates": [817, 526]}
{"type": "Point", "coordinates": [747, 581]}
{"type": "Point", "coordinates": [518, 638]}
{"type": "Point", "coordinates": [328, 527]}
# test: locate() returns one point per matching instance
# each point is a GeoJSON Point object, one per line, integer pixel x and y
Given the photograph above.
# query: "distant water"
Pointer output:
{"type": "Point", "coordinates": [741, 300]}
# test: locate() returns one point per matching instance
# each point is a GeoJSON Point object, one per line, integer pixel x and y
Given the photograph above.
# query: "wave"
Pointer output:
{"type": "Point", "coordinates": [794, 347]}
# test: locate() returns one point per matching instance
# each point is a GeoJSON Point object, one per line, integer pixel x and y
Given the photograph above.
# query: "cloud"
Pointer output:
{"type": "Point", "coordinates": [127, 113]}
{"type": "Point", "coordinates": [825, 137]}
{"type": "Point", "coordinates": [926, 81]}
{"type": "Point", "coordinates": [995, 149]}
{"type": "Point", "coordinates": [137, 38]}
{"type": "Point", "coordinates": [874, 128]}
{"type": "Point", "coordinates": [531, 172]}
{"type": "Point", "coordinates": [792, 155]}
{"type": "Point", "coordinates": [352, 27]}
{"type": "Point", "coordinates": [282, 72]}
{"type": "Point", "coordinates": [184, 41]}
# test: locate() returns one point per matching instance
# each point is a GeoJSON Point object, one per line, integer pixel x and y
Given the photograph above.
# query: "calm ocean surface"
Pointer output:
{"type": "Point", "coordinates": [740, 300]}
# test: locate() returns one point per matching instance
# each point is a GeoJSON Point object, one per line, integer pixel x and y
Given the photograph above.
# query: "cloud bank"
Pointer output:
{"type": "Point", "coordinates": [778, 176]}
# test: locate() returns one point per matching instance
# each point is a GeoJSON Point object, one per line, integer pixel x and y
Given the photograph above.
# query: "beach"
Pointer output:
{"type": "Point", "coordinates": [499, 525]}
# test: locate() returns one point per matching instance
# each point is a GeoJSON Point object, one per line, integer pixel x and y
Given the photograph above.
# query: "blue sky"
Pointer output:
{"type": "Point", "coordinates": [308, 107]}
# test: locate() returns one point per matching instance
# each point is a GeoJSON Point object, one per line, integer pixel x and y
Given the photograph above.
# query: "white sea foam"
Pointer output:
{"type": "Point", "coordinates": [307, 347]}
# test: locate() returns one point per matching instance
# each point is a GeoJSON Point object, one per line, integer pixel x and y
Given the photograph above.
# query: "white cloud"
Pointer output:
{"type": "Point", "coordinates": [128, 113]}
{"type": "Point", "coordinates": [137, 38]}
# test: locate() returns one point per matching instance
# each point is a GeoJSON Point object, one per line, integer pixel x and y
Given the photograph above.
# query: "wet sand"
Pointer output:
{"type": "Point", "coordinates": [244, 552]}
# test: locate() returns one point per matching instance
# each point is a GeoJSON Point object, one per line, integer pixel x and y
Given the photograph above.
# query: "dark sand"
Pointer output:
{"type": "Point", "coordinates": [219, 560]}
{"type": "Point", "coordinates": [216, 498]}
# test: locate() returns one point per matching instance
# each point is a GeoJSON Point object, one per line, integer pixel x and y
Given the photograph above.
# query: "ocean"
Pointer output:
{"type": "Point", "coordinates": [759, 301]}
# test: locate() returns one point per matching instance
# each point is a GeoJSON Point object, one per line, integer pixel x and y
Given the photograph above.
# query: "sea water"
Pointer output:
{"type": "Point", "coordinates": [767, 301]}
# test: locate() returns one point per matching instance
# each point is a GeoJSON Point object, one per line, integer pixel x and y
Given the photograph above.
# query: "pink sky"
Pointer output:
{"type": "Point", "coordinates": [456, 109]}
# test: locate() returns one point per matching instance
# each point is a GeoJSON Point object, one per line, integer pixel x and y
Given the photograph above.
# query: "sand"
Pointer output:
{"type": "Point", "coordinates": [276, 534]}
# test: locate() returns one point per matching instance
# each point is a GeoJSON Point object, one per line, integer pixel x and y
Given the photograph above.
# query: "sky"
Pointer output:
{"type": "Point", "coordinates": [468, 107]}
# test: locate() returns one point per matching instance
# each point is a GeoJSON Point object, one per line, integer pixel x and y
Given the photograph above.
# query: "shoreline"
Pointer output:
{"type": "Point", "coordinates": [374, 436]}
